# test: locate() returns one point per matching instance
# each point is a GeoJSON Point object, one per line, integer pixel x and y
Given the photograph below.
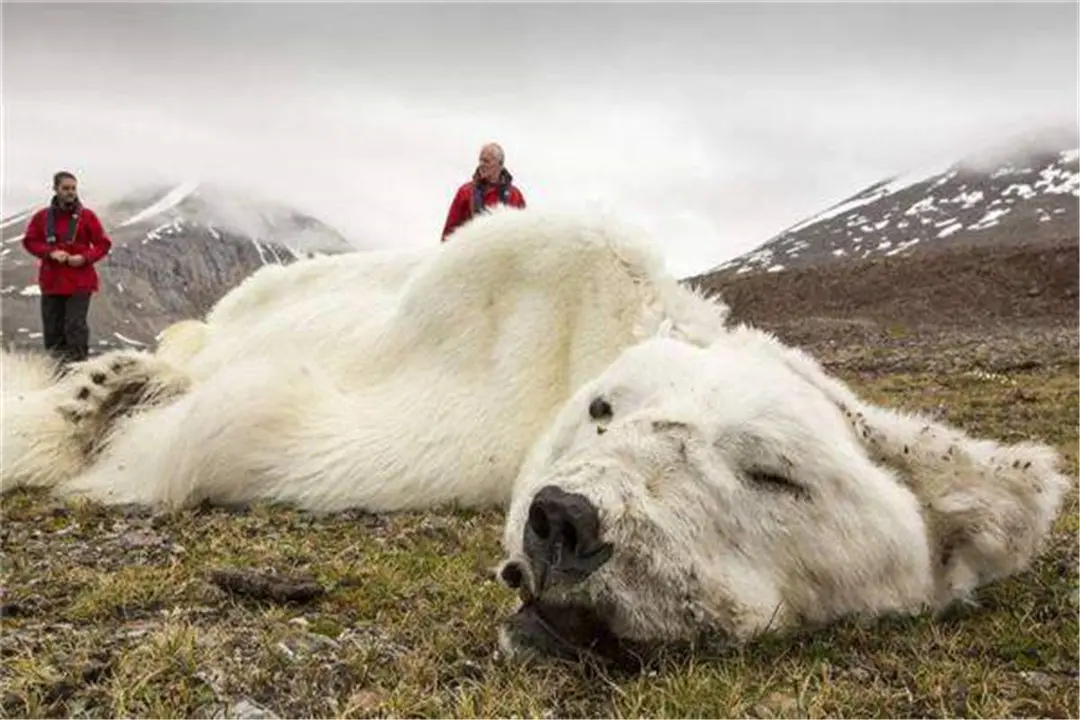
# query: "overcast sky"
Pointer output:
{"type": "Point", "coordinates": [713, 126]}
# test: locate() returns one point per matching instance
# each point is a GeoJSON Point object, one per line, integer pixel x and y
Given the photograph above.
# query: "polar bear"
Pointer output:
{"type": "Point", "coordinates": [384, 381]}
{"type": "Point", "coordinates": [248, 319]}
{"type": "Point", "coordinates": [737, 488]}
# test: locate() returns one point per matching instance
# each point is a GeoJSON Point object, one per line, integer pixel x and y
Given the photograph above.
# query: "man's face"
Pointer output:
{"type": "Point", "coordinates": [490, 167]}
{"type": "Point", "coordinates": [66, 190]}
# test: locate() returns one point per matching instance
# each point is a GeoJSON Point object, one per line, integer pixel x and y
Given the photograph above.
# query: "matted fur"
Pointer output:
{"type": "Point", "coordinates": [744, 489]}
{"type": "Point", "coordinates": [384, 381]}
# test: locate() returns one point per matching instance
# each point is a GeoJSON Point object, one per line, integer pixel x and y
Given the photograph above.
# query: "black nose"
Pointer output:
{"type": "Point", "coordinates": [512, 574]}
{"type": "Point", "coordinates": [562, 536]}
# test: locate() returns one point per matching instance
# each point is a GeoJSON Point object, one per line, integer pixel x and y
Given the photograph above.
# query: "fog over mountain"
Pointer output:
{"type": "Point", "coordinates": [713, 126]}
{"type": "Point", "coordinates": [176, 250]}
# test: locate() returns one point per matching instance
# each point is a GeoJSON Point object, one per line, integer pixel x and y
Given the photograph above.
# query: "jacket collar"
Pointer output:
{"type": "Point", "coordinates": [75, 207]}
{"type": "Point", "coordinates": [505, 178]}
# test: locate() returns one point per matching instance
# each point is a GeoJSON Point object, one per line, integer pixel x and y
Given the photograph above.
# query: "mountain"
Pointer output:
{"type": "Point", "coordinates": [1029, 197]}
{"type": "Point", "coordinates": [176, 251]}
{"type": "Point", "coordinates": [975, 259]}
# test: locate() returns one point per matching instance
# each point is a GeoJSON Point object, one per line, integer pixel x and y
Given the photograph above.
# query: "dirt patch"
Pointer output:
{"type": "Point", "coordinates": [966, 288]}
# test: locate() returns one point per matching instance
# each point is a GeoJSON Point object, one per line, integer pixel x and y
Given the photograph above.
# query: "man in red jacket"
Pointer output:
{"type": "Point", "coordinates": [491, 184]}
{"type": "Point", "coordinates": [67, 239]}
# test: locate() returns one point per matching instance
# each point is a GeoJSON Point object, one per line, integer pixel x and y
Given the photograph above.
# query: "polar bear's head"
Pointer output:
{"type": "Point", "coordinates": [738, 488]}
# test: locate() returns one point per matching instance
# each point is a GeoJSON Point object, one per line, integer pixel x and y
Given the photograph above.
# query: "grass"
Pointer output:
{"type": "Point", "coordinates": [111, 613]}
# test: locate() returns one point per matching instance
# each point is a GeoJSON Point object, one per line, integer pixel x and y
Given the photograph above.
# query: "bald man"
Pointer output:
{"type": "Point", "coordinates": [491, 184]}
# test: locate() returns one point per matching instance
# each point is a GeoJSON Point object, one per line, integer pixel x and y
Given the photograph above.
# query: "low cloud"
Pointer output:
{"type": "Point", "coordinates": [711, 126]}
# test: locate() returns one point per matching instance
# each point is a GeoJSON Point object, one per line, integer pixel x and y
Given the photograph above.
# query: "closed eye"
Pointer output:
{"type": "Point", "coordinates": [767, 481]}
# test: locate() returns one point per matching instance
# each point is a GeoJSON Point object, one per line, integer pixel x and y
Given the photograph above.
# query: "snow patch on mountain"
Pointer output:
{"type": "Point", "coordinates": [16, 219]}
{"type": "Point", "coordinates": [875, 193]}
{"type": "Point", "coordinates": [930, 207]}
{"type": "Point", "coordinates": [127, 340]}
{"type": "Point", "coordinates": [170, 200]}
{"type": "Point", "coordinates": [271, 226]}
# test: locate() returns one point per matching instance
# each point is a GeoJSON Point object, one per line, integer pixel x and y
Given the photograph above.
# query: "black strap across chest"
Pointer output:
{"type": "Point", "coordinates": [478, 196]}
{"type": "Point", "coordinates": [50, 226]}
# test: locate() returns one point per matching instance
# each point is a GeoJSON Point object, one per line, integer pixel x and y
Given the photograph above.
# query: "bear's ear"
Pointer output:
{"type": "Point", "coordinates": [989, 505]}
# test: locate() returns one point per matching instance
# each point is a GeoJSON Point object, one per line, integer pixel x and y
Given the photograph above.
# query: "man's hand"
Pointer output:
{"type": "Point", "coordinates": [76, 260]}
{"type": "Point", "coordinates": [59, 256]}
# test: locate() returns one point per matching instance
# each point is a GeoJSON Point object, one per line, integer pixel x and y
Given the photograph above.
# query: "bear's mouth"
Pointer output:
{"type": "Point", "coordinates": [569, 631]}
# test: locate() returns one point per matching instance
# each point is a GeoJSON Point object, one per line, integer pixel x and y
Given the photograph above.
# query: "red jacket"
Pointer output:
{"type": "Point", "coordinates": [461, 208]}
{"type": "Point", "coordinates": [90, 241]}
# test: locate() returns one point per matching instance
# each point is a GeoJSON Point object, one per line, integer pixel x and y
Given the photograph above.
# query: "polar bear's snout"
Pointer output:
{"type": "Point", "coordinates": [562, 539]}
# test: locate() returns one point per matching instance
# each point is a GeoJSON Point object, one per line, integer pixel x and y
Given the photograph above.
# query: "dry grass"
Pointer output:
{"type": "Point", "coordinates": [108, 613]}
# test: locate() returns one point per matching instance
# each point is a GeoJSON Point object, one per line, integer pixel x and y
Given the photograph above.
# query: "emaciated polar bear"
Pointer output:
{"type": "Point", "coordinates": [385, 381]}
{"type": "Point", "coordinates": [673, 476]}
{"type": "Point", "coordinates": [734, 489]}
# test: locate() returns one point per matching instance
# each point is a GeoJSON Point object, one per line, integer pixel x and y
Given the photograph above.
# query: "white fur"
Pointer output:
{"type": "Point", "coordinates": [35, 439]}
{"type": "Point", "coordinates": [392, 381]}
{"type": "Point", "coordinates": [250, 319]}
{"type": "Point", "coordinates": [385, 381]}
{"type": "Point", "coordinates": [893, 512]}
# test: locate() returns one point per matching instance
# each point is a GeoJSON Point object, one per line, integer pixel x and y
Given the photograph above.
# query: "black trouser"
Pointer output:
{"type": "Point", "coordinates": [63, 320]}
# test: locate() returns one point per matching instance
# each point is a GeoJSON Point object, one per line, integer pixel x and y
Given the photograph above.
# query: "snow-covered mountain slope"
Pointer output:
{"type": "Point", "coordinates": [1029, 198]}
{"type": "Point", "coordinates": [168, 211]}
{"type": "Point", "coordinates": [176, 250]}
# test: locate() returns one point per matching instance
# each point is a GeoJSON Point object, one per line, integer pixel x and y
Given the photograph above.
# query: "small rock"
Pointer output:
{"type": "Point", "coordinates": [60, 691]}
{"type": "Point", "coordinates": [12, 704]}
{"type": "Point", "coordinates": [305, 644]}
{"type": "Point", "coordinates": [97, 669]}
{"type": "Point", "coordinates": [314, 642]}
{"type": "Point", "coordinates": [139, 628]}
{"type": "Point", "coordinates": [363, 702]}
{"type": "Point", "coordinates": [244, 709]}
{"type": "Point", "coordinates": [350, 581]}
{"type": "Point", "coordinates": [469, 669]}
{"type": "Point", "coordinates": [777, 705]}
{"type": "Point", "coordinates": [215, 680]}
{"type": "Point", "coordinates": [12, 609]}
{"type": "Point", "coordinates": [132, 511]}
{"type": "Point", "coordinates": [1037, 679]}
{"type": "Point", "coordinates": [139, 538]}
{"type": "Point", "coordinates": [960, 698]}
{"type": "Point", "coordinates": [861, 674]}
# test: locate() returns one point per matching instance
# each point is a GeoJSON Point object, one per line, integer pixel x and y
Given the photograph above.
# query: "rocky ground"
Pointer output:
{"type": "Point", "coordinates": [114, 613]}
{"type": "Point", "coordinates": [969, 290]}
